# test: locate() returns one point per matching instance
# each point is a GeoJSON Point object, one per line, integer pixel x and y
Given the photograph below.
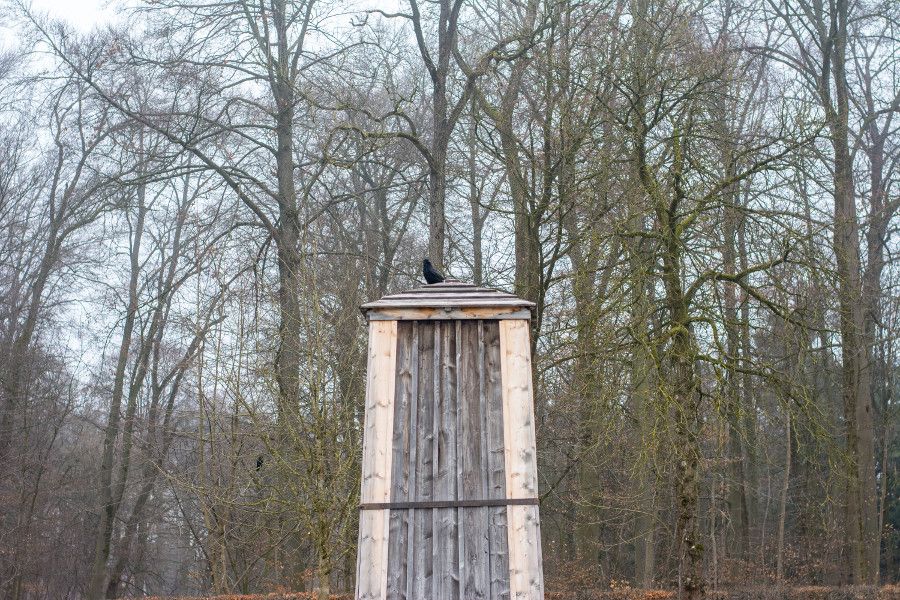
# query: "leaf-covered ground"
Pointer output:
{"type": "Point", "coordinates": [888, 592]}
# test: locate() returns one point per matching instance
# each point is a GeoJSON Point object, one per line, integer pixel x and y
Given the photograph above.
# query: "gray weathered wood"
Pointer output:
{"type": "Point", "coordinates": [400, 466]}
{"type": "Point", "coordinates": [472, 471]}
{"type": "Point", "coordinates": [438, 313]}
{"type": "Point", "coordinates": [448, 295]}
{"type": "Point", "coordinates": [446, 571]}
{"type": "Point", "coordinates": [448, 441]}
{"type": "Point", "coordinates": [496, 461]}
{"type": "Point", "coordinates": [412, 461]}
{"type": "Point", "coordinates": [448, 301]}
{"type": "Point", "coordinates": [422, 572]}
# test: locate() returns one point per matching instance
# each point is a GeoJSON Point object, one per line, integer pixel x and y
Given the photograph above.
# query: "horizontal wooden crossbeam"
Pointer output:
{"type": "Point", "coordinates": [428, 504]}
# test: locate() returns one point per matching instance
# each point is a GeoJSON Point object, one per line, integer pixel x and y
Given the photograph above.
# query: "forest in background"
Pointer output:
{"type": "Point", "coordinates": [700, 196]}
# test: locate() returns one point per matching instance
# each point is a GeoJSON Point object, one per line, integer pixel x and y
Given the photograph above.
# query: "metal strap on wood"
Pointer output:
{"type": "Point", "coordinates": [427, 504]}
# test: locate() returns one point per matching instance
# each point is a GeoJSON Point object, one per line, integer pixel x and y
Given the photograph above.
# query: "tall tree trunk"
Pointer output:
{"type": "Point", "coordinates": [860, 505]}
{"type": "Point", "coordinates": [880, 214]}
{"type": "Point", "coordinates": [645, 384]}
{"type": "Point", "coordinates": [782, 509]}
{"type": "Point", "coordinates": [442, 122]}
{"type": "Point", "coordinates": [475, 201]}
{"type": "Point", "coordinates": [287, 359]}
{"type": "Point", "coordinates": [643, 370]}
{"type": "Point", "coordinates": [437, 199]}
{"type": "Point", "coordinates": [750, 484]}
{"type": "Point", "coordinates": [108, 506]}
{"type": "Point", "coordinates": [287, 238]}
{"type": "Point", "coordinates": [737, 488]}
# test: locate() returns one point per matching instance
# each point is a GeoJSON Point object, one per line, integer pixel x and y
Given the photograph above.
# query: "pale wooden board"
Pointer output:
{"type": "Point", "coordinates": [526, 579]}
{"type": "Point", "coordinates": [372, 561]}
{"type": "Point", "coordinates": [523, 525]}
{"type": "Point", "coordinates": [371, 555]}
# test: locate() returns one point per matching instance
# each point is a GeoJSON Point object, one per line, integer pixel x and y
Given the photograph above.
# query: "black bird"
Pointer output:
{"type": "Point", "coordinates": [431, 274]}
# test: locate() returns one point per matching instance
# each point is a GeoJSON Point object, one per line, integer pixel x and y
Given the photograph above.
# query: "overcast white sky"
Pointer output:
{"type": "Point", "coordinates": [84, 14]}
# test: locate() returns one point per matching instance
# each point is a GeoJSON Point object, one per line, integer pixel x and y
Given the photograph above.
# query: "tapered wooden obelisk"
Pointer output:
{"type": "Point", "coordinates": [449, 480]}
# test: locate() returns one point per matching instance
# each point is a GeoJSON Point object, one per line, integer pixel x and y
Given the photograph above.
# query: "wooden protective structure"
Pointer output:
{"type": "Point", "coordinates": [449, 480]}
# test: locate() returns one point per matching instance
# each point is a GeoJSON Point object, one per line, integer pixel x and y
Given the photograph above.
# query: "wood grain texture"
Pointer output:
{"type": "Point", "coordinates": [449, 294]}
{"type": "Point", "coordinates": [425, 314]}
{"type": "Point", "coordinates": [446, 549]}
{"type": "Point", "coordinates": [413, 457]}
{"type": "Point", "coordinates": [460, 427]}
{"type": "Point", "coordinates": [404, 392]}
{"type": "Point", "coordinates": [496, 461]}
{"type": "Point", "coordinates": [472, 474]}
{"type": "Point", "coordinates": [371, 566]}
{"type": "Point", "coordinates": [523, 525]}
{"type": "Point", "coordinates": [371, 558]}
{"type": "Point", "coordinates": [421, 573]}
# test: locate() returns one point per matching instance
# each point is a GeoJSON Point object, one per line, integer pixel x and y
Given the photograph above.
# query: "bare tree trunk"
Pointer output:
{"type": "Point", "coordinates": [750, 458]}
{"type": "Point", "coordinates": [861, 533]}
{"type": "Point", "coordinates": [443, 119]}
{"type": "Point", "coordinates": [476, 215]}
{"type": "Point", "coordinates": [737, 488]}
{"type": "Point", "coordinates": [282, 82]}
{"type": "Point", "coordinates": [645, 383]}
{"type": "Point", "coordinates": [287, 359]}
{"type": "Point", "coordinates": [680, 359]}
{"type": "Point", "coordinates": [782, 510]}
{"type": "Point", "coordinates": [108, 506]}
{"type": "Point", "coordinates": [645, 522]}
{"type": "Point", "coordinates": [881, 211]}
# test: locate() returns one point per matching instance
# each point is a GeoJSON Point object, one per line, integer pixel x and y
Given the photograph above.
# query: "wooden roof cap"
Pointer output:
{"type": "Point", "coordinates": [451, 299]}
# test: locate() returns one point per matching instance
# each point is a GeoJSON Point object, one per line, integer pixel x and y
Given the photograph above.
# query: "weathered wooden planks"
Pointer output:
{"type": "Point", "coordinates": [496, 460]}
{"type": "Point", "coordinates": [474, 555]}
{"type": "Point", "coordinates": [372, 557]}
{"type": "Point", "coordinates": [449, 301]}
{"type": "Point", "coordinates": [460, 427]}
{"type": "Point", "coordinates": [418, 313]}
{"type": "Point", "coordinates": [523, 527]}
{"type": "Point", "coordinates": [402, 447]}
{"type": "Point", "coordinates": [446, 549]}
{"type": "Point", "coordinates": [422, 572]}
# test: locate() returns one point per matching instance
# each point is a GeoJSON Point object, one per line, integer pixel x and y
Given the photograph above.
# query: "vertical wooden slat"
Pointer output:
{"type": "Point", "coordinates": [412, 461]}
{"type": "Point", "coordinates": [523, 527]}
{"type": "Point", "coordinates": [446, 570]}
{"type": "Point", "coordinates": [371, 566]}
{"type": "Point", "coordinates": [460, 450]}
{"type": "Point", "coordinates": [439, 491]}
{"type": "Point", "coordinates": [400, 464]}
{"type": "Point", "coordinates": [496, 460]}
{"type": "Point", "coordinates": [421, 574]}
{"type": "Point", "coordinates": [474, 553]}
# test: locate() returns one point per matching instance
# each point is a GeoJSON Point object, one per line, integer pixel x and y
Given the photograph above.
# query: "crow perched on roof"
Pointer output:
{"type": "Point", "coordinates": [431, 274]}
